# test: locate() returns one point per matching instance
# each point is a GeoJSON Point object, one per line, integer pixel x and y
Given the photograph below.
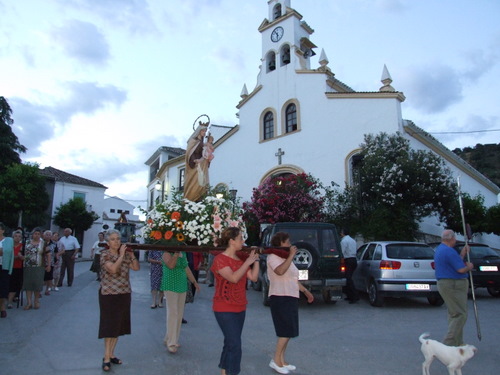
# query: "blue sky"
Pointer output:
{"type": "Point", "coordinates": [97, 86]}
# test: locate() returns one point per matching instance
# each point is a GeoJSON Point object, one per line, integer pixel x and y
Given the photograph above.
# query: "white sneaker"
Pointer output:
{"type": "Point", "coordinates": [56, 289]}
{"type": "Point", "coordinates": [275, 367]}
{"type": "Point", "coordinates": [290, 367]}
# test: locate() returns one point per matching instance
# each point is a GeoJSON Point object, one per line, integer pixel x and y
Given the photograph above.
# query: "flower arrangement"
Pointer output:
{"type": "Point", "coordinates": [180, 221]}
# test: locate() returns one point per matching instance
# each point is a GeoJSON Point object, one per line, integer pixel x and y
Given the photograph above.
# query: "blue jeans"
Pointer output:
{"type": "Point", "coordinates": [231, 325]}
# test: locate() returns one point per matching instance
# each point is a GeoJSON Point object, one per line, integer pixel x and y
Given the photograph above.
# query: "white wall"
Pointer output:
{"type": "Point", "coordinates": [94, 196]}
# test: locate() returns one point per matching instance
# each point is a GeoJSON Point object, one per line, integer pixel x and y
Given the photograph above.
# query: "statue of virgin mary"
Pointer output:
{"type": "Point", "coordinates": [196, 164]}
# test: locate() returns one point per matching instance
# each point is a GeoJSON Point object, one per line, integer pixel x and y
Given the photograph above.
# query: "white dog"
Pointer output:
{"type": "Point", "coordinates": [453, 357]}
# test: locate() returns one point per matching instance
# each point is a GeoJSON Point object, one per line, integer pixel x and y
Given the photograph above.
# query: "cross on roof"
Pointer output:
{"type": "Point", "coordinates": [279, 154]}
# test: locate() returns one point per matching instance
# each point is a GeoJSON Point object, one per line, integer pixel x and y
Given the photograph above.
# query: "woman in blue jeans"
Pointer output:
{"type": "Point", "coordinates": [229, 302]}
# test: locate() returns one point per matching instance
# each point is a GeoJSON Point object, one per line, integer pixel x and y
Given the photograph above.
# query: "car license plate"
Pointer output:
{"type": "Point", "coordinates": [303, 275]}
{"type": "Point", "coordinates": [418, 287]}
{"type": "Point", "coordinates": [488, 268]}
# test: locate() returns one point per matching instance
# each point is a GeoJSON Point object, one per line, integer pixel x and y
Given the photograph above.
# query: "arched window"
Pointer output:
{"type": "Point", "coordinates": [277, 11]}
{"type": "Point", "coordinates": [355, 161]}
{"type": "Point", "coordinates": [291, 118]}
{"type": "Point", "coordinates": [268, 125]}
{"type": "Point", "coordinates": [271, 61]}
{"type": "Point", "coordinates": [285, 54]}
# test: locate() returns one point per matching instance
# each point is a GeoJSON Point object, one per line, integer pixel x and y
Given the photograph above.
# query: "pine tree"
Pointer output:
{"type": "Point", "coordinates": [9, 143]}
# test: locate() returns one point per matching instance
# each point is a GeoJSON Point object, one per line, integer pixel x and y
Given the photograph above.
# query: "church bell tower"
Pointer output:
{"type": "Point", "coordinates": [285, 39]}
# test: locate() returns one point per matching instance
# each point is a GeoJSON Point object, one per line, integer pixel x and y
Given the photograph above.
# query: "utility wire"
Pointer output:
{"type": "Point", "coordinates": [467, 132]}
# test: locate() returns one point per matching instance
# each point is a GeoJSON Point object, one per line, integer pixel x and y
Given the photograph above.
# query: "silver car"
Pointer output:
{"type": "Point", "coordinates": [396, 269]}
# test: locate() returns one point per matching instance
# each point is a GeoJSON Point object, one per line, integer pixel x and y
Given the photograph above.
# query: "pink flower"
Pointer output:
{"type": "Point", "coordinates": [233, 223]}
{"type": "Point", "coordinates": [217, 225]}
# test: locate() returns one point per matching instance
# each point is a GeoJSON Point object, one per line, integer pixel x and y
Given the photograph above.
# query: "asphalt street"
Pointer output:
{"type": "Point", "coordinates": [343, 339]}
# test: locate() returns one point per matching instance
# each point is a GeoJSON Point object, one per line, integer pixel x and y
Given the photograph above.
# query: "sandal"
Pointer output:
{"type": "Point", "coordinates": [37, 305]}
{"type": "Point", "coordinates": [27, 307]}
{"type": "Point", "coordinates": [115, 361]}
{"type": "Point", "coordinates": [106, 366]}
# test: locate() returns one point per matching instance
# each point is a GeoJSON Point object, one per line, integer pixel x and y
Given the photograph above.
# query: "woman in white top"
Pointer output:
{"type": "Point", "coordinates": [284, 289]}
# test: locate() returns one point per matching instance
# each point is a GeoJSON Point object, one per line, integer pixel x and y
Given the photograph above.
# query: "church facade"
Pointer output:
{"type": "Point", "coordinates": [300, 118]}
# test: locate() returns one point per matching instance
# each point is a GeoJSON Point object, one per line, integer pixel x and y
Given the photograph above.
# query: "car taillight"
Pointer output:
{"type": "Point", "coordinates": [390, 265]}
{"type": "Point", "coordinates": [433, 265]}
{"type": "Point", "coordinates": [342, 265]}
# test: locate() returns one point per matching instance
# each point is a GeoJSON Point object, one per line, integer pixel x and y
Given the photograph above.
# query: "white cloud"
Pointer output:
{"type": "Point", "coordinates": [82, 41]}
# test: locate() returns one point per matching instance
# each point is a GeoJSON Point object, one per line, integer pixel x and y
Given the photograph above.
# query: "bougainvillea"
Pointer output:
{"type": "Point", "coordinates": [286, 198]}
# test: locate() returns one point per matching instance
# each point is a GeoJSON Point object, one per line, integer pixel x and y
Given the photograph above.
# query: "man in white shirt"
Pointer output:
{"type": "Point", "coordinates": [71, 247]}
{"type": "Point", "coordinates": [348, 246]}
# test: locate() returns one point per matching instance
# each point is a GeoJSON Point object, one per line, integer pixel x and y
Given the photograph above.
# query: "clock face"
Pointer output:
{"type": "Point", "coordinates": [277, 34]}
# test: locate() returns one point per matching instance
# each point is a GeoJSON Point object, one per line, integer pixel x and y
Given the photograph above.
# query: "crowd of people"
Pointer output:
{"type": "Point", "coordinates": [32, 265]}
{"type": "Point", "coordinates": [36, 264]}
{"type": "Point", "coordinates": [173, 274]}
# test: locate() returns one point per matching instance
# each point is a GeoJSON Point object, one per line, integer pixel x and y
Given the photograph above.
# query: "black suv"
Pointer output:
{"type": "Point", "coordinates": [486, 272]}
{"type": "Point", "coordinates": [318, 258]}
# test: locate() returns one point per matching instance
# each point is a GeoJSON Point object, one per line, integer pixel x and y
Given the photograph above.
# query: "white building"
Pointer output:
{"type": "Point", "coordinates": [62, 187]}
{"type": "Point", "coordinates": [299, 118]}
{"type": "Point", "coordinates": [114, 208]}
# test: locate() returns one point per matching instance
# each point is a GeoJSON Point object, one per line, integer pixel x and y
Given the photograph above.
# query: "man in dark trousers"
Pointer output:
{"type": "Point", "coordinates": [71, 248]}
{"type": "Point", "coordinates": [348, 246]}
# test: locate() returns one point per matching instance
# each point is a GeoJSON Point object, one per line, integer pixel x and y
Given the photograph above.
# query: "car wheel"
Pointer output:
{"type": "Point", "coordinates": [306, 257]}
{"type": "Point", "coordinates": [327, 296]}
{"type": "Point", "coordinates": [374, 296]}
{"type": "Point", "coordinates": [494, 291]}
{"type": "Point", "coordinates": [257, 285]}
{"type": "Point", "coordinates": [435, 300]}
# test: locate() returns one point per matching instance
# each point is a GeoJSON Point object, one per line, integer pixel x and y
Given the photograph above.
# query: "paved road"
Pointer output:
{"type": "Point", "coordinates": [343, 339]}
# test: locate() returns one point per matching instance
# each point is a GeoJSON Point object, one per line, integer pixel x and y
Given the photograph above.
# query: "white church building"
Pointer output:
{"type": "Point", "coordinates": [300, 118]}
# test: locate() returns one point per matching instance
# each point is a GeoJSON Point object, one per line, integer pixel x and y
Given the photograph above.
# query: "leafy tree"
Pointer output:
{"type": "Point", "coordinates": [295, 198]}
{"type": "Point", "coordinates": [397, 188]}
{"type": "Point", "coordinates": [474, 213]}
{"type": "Point", "coordinates": [75, 215]}
{"type": "Point", "coordinates": [493, 219]}
{"type": "Point", "coordinates": [9, 144]}
{"type": "Point", "coordinates": [23, 195]}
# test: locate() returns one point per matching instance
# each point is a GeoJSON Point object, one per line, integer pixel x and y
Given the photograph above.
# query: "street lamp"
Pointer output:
{"type": "Point", "coordinates": [232, 194]}
{"type": "Point", "coordinates": [158, 185]}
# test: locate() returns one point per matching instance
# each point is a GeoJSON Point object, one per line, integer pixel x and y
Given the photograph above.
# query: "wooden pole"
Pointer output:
{"type": "Point", "coordinates": [280, 251]}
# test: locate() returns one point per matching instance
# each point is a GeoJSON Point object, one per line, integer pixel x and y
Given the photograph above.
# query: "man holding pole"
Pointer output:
{"type": "Point", "coordinates": [453, 285]}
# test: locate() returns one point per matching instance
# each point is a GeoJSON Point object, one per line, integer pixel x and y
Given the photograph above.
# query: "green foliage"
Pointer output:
{"type": "Point", "coordinates": [22, 188]}
{"type": "Point", "coordinates": [398, 187]}
{"type": "Point", "coordinates": [474, 212]}
{"type": "Point", "coordinates": [75, 215]}
{"type": "Point", "coordinates": [493, 220]}
{"type": "Point", "coordinates": [485, 158]}
{"type": "Point", "coordinates": [9, 144]}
